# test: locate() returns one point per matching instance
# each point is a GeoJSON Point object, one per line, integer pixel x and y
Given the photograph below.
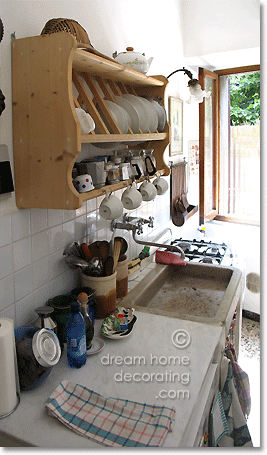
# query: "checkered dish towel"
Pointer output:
{"type": "Point", "coordinates": [109, 421]}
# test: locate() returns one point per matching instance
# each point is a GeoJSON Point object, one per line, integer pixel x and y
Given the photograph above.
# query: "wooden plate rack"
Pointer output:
{"type": "Point", "coordinates": [51, 75]}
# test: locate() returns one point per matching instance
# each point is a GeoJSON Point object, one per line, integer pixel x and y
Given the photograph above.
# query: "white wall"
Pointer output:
{"type": "Point", "coordinates": [212, 26]}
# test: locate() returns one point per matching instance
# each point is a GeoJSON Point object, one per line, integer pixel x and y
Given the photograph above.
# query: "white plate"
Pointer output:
{"type": "Point", "coordinates": [119, 115]}
{"type": "Point", "coordinates": [162, 117]}
{"type": "Point", "coordinates": [97, 346]}
{"type": "Point", "coordinates": [153, 115]}
{"type": "Point", "coordinates": [141, 109]}
{"type": "Point", "coordinates": [131, 110]}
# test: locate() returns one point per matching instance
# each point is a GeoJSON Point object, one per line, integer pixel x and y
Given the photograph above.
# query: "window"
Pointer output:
{"type": "Point", "coordinates": [229, 146]}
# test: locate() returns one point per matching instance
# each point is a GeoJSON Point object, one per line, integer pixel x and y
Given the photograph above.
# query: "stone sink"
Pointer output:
{"type": "Point", "coordinates": [197, 292]}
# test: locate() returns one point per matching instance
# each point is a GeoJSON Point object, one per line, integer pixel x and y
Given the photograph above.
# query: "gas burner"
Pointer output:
{"type": "Point", "coordinates": [202, 251]}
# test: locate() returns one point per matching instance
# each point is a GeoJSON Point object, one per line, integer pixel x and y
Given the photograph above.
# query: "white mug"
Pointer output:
{"type": "Point", "coordinates": [161, 185]}
{"type": "Point", "coordinates": [148, 191]}
{"type": "Point", "coordinates": [131, 198]}
{"type": "Point", "coordinates": [84, 183]}
{"type": "Point", "coordinates": [111, 207]}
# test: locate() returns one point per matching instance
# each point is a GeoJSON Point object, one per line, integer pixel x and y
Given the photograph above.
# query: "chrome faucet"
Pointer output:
{"type": "Point", "coordinates": [135, 224]}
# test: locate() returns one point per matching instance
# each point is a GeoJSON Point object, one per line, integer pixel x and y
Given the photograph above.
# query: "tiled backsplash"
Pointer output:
{"type": "Point", "coordinates": [32, 241]}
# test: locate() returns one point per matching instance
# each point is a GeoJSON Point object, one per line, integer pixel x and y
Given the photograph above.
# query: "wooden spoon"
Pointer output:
{"type": "Point", "coordinates": [108, 266]}
{"type": "Point", "coordinates": [104, 249]}
{"type": "Point", "coordinates": [124, 245]}
{"type": "Point", "coordinates": [117, 250]}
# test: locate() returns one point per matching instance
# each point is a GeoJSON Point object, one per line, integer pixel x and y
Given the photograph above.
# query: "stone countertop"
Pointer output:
{"type": "Point", "coordinates": [150, 358]}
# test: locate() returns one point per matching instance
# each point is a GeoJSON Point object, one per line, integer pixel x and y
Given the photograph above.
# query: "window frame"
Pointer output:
{"type": "Point", "coordinates": [214, 214]}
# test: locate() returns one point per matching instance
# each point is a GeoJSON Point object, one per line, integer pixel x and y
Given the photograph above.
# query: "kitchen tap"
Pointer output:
{"type": "Point", "coordinates": [135, 224]}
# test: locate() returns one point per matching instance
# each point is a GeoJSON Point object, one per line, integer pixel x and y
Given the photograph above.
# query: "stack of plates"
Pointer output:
{"type": "Point", "coordinates": [140, 114]}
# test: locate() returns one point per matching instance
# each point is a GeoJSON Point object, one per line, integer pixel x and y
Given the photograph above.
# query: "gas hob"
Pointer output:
{"type": "Point", "coordinates": [204, 251]}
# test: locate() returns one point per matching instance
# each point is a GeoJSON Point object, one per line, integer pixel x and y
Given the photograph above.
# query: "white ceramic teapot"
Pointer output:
{"type": "Point", "coordinates": [133, 60]}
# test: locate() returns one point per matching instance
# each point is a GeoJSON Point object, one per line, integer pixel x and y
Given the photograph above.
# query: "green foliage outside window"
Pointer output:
{"type": "Point", "coordinates": [245, 99]}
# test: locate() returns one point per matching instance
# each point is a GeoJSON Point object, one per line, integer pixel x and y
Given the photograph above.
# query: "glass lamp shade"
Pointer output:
{"type": "Point", "coordinates": [197, 94]}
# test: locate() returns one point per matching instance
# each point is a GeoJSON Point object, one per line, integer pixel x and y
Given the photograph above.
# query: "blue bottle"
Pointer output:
{"type": "Point", "coordinates": [76, 339]}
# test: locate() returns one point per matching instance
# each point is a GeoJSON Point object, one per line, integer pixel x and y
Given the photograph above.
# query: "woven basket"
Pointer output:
{"type": "Point", "coordinates": [69, 26]}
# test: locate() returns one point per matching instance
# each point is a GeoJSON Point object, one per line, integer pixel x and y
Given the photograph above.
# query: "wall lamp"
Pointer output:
{"type": "Point", "coordinates": [196, 93]}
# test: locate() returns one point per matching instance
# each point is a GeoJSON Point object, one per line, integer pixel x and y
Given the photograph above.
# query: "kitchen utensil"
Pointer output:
{"type": "Point", "coordinates": [131, 197]}
{"type": "Point", "coordinates": [97, 346]}
{"type": "Point", "coordinates": [122, 276]}
{"type": "Point", "coordinates": [67, 25]}
{"type": "Point", "coordinates": [45, 321]}
{"type": "Point", "coordinates": [113, 175]}
{"type": "Point", "coordinates": [150, 165]}
{"type": "Point", "coordinates": [61, 305]}
{"type": "Point", "coordinates": [84, 183]}
{"type": "Point", "coordinates": [108, 266]}
{"type": "Point", "coordinates": [161, 185]}
{"type": "Point", "coordinates": [75, 262]}
{"type": "Point", "coordinates": [125, 171]}
{"type": "Point", "coordinates": [111, 207]}
{"type": "Point", "coordinates": [86, 251]}
{"type": "Point", "coordinates": [132, 112]}
{"type": "Point", "coordinates": [180, 206]}
{"type": "Point", "coordinates": [117, 250]}
{"type": "Point", "coordinates": [148, 191]}
{"type": "Point", "coordinates": [134, 60]}
{"type": "Point", "coordinates": [167, 257]}
{"type": "Point", "coordinates": [105, 293]}
{"type": "Point", "coordinates": [95, 249]}
{"type": "Point", "coordinates": [37, 352]}
{"type": "Point", "coordinates": [124, 245]}
{"type": "Point", "coordinates": [119, 115]}
{"type": "Point", "coordinates": [104, 249]}
{"type": "Point", "coordinates": [108, 329]}
{"type": "Point", "coordinates": [86, 121]}
{"type": "Point", "coordinates": [94, 168]}
{"type": "Point", "coordinates": [162, 116]}
{"type": "Point", "coordinates": [143, 112]}
{"type": "Point", "coordinates": [153, 116]}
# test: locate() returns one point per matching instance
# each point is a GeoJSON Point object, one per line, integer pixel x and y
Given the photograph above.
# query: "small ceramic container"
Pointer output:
{"type": "Point", "coordinates": [84, 183]}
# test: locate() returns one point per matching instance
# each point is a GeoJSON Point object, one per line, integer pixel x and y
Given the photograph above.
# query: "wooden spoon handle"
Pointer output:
{"type": "Point", "coordinates": [117, 250]}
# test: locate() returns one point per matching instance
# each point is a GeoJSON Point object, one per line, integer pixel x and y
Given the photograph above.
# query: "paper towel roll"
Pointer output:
{"type": "Point", "coordinates": [8, 379]}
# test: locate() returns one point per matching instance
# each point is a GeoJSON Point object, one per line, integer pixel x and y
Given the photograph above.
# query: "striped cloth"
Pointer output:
{"type": "Point", "coordinates": [241, 381]}
{"type": "Point", "coordinates": [109, 421]}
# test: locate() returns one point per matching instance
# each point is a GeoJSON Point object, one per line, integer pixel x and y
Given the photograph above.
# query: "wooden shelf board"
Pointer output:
{"type": "Point", "coordinates": [84, 61]}
{"type": "Point", "coordinates": [122, 137]}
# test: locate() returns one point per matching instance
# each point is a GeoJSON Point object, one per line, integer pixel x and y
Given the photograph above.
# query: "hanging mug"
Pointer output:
{"type": "Point", "coordinates": [131, 198]}
{"type": "Point", "coordinates": [148, 191]}
{"type": "Point", "coordinates": [111, 207]}
{"type": "Point", "coordinates": [161, 185]}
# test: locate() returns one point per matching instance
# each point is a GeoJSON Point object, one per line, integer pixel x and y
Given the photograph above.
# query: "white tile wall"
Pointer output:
{"type": "Point", "coordinates": [32, 241]}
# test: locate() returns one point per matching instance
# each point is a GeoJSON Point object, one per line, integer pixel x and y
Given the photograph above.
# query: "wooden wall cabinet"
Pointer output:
{"type": "Point", "coordinates": [50, 77]}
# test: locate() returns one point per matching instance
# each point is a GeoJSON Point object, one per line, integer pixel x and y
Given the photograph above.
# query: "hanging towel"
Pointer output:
{"type": "Point", "coordinates": [238, 435]}
{"type": "Point", "coordinates": [109, 421]}
{"type": "Point", "coordinates": [241, 381]}
{"type": "Point", "coordinates": [218, 421]}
